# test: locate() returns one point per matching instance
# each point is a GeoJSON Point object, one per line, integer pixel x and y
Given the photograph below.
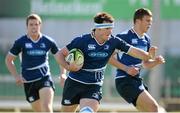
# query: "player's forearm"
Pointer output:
{"type": "Point", "coordinates": [12, 69]}
{"type": "Point", "coordinates": [60, 58]}
{"type": "Point", "coordinates": [138, 53]}
{"type": "Point", "coordinates": [154, 62]}
{"type": "Point", "coordinates": [150, 64]}
{"type": "Point", "coordinates": [10, 65]}
{"type": "Point", "coordinates": [113, 61]}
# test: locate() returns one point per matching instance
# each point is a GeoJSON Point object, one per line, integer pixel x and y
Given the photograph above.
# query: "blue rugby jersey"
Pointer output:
{"type": "Point", "coordinates": [96, 57]}
{"type": "Point", "coordinates": [131, 37]}
{"type": "Point", "coordinates": [34, 54]}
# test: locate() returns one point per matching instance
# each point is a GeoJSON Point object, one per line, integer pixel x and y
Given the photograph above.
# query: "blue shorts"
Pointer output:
{"type": "Point", "coordinates": [130, 88]}
{"type": "Point", "coordinates": [32, 89]}
{"type": "Point", "coordinates": [74, 91]}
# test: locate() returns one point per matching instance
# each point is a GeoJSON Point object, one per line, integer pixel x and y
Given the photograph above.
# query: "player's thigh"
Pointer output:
{"type": "Point", "coordinates": [69, 108]}
{"type": "Point", "coordinates": [46, 95]}
{"type": "Point", "coordinates": [129, 88]}
{"type": "Point", "coordinates": [144, 100]}
{"type": "Point", "coordinates": [92, 103]}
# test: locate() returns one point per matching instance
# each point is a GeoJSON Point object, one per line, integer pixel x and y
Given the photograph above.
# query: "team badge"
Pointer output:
{"type": "Point", "coordinates": [106, 47]}
{"type": "Point", "coordinates": [42, 45]}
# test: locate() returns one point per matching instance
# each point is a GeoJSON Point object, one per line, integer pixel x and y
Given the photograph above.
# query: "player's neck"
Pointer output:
{"type": "Point", "coordinates": [34, 37]}
{"type": "Point", "coordinates": [138, 31]}
{"type": "Point", "coordinates": [96, 36]}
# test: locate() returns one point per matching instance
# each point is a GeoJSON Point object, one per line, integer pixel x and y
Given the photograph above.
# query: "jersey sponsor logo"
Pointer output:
{"type": "Point", "coordinates": [98, 54]}
{"type": "Point", "coordinates": [67, 101]}
{"type": "Point", "coordinates": [91, 46]}
{"type": "Point", "coordinates": [28, 45]}
{"type": "Point", "coordinates": [36, 52]}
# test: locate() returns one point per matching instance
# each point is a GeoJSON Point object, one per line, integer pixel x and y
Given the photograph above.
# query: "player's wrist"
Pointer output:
{"type": "Point", "coordinates": [62, 76]}
{"type": "Point", "coordinates": [126, 69]}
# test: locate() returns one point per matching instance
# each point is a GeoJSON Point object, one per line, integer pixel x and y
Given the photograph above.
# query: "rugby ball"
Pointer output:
{"type": "Point", "coordinates": [75, 55]}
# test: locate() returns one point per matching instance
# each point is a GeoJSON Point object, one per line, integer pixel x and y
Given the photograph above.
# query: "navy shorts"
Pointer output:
{"type": "Point", "coordinates": [32, 89]}
{"type": "Point", "coordinates": [130, 88]}
{"type": "Point", "coordinates": [74, 91]}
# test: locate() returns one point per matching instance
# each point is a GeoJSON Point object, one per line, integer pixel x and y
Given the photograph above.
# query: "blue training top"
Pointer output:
{"type": "Point", "coordinates": [34, 56]}
{"type": "Point", "coordinates": [131, 37]}
{"type": "Point", "coordinates": [96, 57]}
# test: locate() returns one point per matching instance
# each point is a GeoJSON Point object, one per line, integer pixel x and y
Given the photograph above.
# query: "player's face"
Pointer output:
{"type": "Point", "coordinates": [33, 27]}
{"type": "Point", "coordinates": [103, 34]}
{"type": "Point", "coordinates": [146, 23]}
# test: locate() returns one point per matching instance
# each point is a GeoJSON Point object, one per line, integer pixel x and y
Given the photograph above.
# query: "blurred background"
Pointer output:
{"type": "Point", "coordinates": [65, 19]}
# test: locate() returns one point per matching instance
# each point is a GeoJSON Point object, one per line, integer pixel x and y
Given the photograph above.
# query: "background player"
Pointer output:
{"type": "Point", "coordinates": [34, 48]}
{"type": "Point", "coordinates": [128, 80]}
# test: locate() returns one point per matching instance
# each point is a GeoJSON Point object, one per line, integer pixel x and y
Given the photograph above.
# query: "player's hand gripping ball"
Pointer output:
{"type": "Point", "coordinates": [75, 56]}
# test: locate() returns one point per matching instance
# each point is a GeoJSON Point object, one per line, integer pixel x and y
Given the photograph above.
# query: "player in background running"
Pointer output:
{"type": "Point", "coordinates": [35, 76]}
{"type": "Point", "coordinates": [128, 80]}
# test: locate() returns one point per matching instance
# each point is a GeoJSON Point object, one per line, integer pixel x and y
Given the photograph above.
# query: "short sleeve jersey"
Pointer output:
{"type": "Point", "coordinates": [133, 39]}
{"type": "Point", "coordinates": [34, 55]}
{"type": "Point", "coordinates": [96, 57]}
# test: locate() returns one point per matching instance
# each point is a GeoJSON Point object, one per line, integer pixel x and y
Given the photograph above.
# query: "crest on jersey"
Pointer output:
{"type": "Point", "coordinates": [28, 45]}
{"type": "Point", "coordinates": [106, 47]}
{"type": "Point", "coordinates": [42, 45]}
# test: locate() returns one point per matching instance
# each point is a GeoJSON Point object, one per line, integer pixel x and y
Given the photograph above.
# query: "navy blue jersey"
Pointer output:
{"type": "Point", "coordinates": [34, 56]}
{"type": "Point", "coordinates": [96, 57]}
{"type": "Point", "coordinates": [133, 39]}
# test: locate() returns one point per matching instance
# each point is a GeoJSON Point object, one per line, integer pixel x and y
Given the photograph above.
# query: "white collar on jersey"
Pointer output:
{"type": "Point", "coordinates": [35, 41]}
{"type": "Point", "coordinates": [140, 37]}
{"type": "Point", "coordinates": [92, 35]}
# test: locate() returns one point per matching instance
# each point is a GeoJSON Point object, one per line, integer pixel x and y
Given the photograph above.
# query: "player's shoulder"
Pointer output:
{"type": "Point", "coordinates": [83, 37]}
{"type": "Point", "coordinates": [47, 38]}
{"type": "Point", "coordinates": [124, 33]}
{"type": "Point", "coordinates": [114, 39]}
{"type": "Point", "coordinates": [21, 39]}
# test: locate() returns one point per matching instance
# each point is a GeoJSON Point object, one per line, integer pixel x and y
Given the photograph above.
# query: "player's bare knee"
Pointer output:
{"type": "Point", "coordinates": [46, 107]}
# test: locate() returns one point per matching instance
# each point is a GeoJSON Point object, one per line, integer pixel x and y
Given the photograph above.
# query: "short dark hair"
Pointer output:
{"type": "Point", "coordinates": [103, 17]}
{"type": "Point", "coordinates": [140, 13]}
{"type": "Point", "coordinates": [33, 16]}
